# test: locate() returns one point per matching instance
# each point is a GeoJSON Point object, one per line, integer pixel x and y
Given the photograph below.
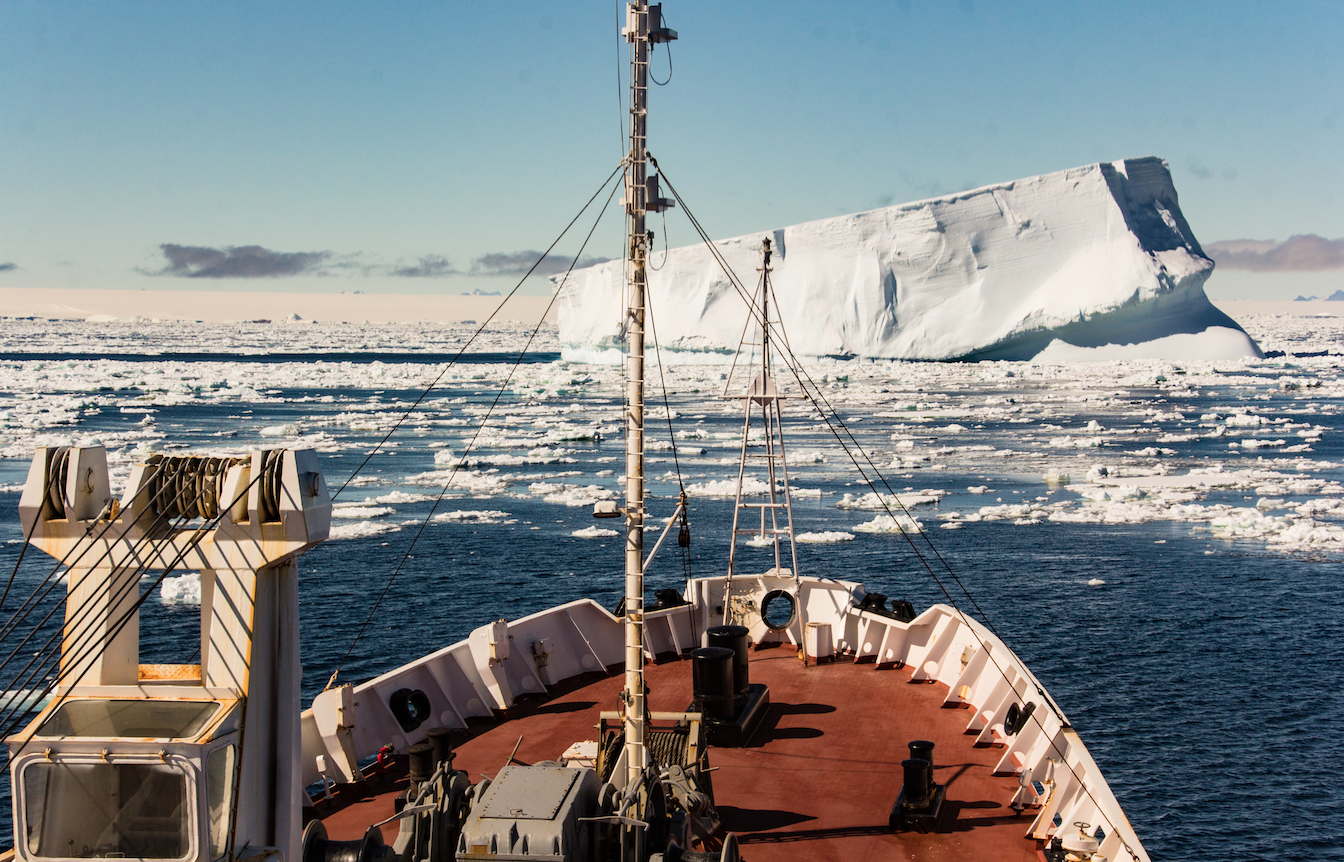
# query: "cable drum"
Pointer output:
{"type": "Point", "coordinates": [271, 481]}
{"type": "Point", "coordinates": [58, 473]}
{"type": "Point", "coordinates": [189, 487]}
{"type": "Point", "coordinates": [209, 485]}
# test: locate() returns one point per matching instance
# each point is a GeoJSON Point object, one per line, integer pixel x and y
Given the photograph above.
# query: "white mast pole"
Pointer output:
{"type": "Point", "coordinates": [635, 752]}
{"type": "Point", "coordinates": [643, 27]}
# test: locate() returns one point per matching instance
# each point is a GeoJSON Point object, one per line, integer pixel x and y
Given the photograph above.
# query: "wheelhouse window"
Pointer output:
{"type": "Point", "coordinates": [156, 719]}
{"type": "Point", "coordinates": [98, 810]}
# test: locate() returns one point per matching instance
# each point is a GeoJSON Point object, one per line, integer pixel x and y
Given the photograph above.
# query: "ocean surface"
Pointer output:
{"type": "Point", "coordinates": [1159, 541]}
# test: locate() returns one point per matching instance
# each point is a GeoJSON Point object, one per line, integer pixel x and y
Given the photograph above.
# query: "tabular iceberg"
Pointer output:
{"type": "Point", "coordinates": [1093, 262]}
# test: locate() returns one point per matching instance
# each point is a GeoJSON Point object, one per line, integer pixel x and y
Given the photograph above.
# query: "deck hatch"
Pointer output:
{"type": "Point", "coordinates": [529, 792]}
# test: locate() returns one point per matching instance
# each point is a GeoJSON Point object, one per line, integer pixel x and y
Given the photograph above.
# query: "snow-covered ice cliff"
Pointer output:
{"type": "Point", "coordinates": [1096, 261]}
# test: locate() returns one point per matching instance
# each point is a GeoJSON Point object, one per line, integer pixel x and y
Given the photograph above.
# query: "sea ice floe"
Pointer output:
{"type": "Point", "coordinates": [874, 500]}
{"type": "Point", "coordinates": [355, 510]}
{"type": "Point", "coordinates": [472, 516]}
{"type": "Point", "coordinates": [481, 483]}
{"type": "Point", "coordinates": [890, 524]}
{"type": "Point", "coordinates": [1070, 442]}
{"type": "Point", "coordinates": [570, 495]}
{"type": "Point", "coordinates": [751, 487]}
{"type": "Point", "coordinates": [595, 533]}
{"type": "Point", "coordinates": [1251, 403]}
{"type": "Point", "coordinates": [1257, 444]}
{"type": "Point", "coordinates": [362, 529]}
{"type": "Point", "coordinates": [181, 590]}
{"type": "Point", "coordinates": [396, 498]}
{"type": "Point", "coordinates": [823, 538]}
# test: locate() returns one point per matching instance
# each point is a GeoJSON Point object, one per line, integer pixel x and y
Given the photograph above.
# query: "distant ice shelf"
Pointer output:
{"type": "Point", "coordinates": [1092, 262]}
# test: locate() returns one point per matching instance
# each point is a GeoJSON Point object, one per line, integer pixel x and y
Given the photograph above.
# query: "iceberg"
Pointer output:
{"type": "Point", "coordinates": [1093, 262]}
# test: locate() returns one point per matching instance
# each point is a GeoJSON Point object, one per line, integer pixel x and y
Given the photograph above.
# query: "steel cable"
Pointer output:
{"type": "Point", "coordinates": [481, 328]}
{"type": "Point", "coordinates": [801, 375]}
{"type": "Point", "coordinates": [458, 462]}
{"type": "Point", "coordinates": [120, 623]}
{"type": "Point", "coordinates": [79, 624]}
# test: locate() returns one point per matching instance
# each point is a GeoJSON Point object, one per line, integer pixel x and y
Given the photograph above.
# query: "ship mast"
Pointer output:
{"type": "Point", "coordinates": [643, 29]}
{"type": "Point", "coordinates": [764, 392]}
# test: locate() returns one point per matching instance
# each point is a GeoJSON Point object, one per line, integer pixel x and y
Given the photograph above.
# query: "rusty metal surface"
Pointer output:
{"type": "Point", "coordinates": [816, 782]}
{"type": "Point", "coordinates": [170, 672]}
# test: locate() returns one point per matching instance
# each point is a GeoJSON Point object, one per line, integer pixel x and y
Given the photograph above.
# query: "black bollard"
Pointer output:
{"type": "Point", "coordinates": [737, 639]}
{"type": "Point", "coordinates": [712, 681]}
{"type": "Point", "coordinates": [441, 739]}
{"type": "Point", "coordinates": [922, 749]}
{"type": "Point", "coordinates": [918, 783]}
{"type": "Point", "coordinates": [421, 761]}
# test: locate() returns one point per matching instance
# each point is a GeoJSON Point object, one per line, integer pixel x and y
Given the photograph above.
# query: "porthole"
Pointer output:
{"type": "Point", "coordinates": [411, 708]}
{"type": "Point", "coordinates": [778, 610]}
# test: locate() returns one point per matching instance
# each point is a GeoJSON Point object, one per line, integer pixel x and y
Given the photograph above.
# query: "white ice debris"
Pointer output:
{"type": "Point", "coordinates": [595, 533]}
{"type": "Point", "coordinates": [393, 498]}
{"type": "Point", "coordinates": [873, 500]}
{"type": "Point", "coordinates": [570, 495]}
{"type": "Point", "coordinates": [890, 524]}
{"type": "Point", "coordinates": [1095, 262]}
{"type": "Point", "coordinates": [1165, 425]}
{"type": "Point", "coordinates": [182, 590]}
{"type": "Point", "coordinates": [362, 529]}
{"type": "Point", "coordinates": [751, 487]}
{"type": "Point", "coordinates": [472, 516]}
{"type": "Point", "coordinates": [823, 538]}
{"type": "Point", "coordinates": [480, 483]}
{"type": "Point", "coordinates": [355, 510]}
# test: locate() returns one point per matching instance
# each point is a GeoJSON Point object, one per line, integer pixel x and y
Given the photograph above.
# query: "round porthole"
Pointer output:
{"type": "Point", "coordinates": [778, 609]}
{"type": "Point", "coordinates": [411, 708]}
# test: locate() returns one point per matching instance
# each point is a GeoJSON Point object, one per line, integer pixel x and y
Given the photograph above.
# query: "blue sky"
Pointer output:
{"type": "Point", "coordinates": [439, 139]}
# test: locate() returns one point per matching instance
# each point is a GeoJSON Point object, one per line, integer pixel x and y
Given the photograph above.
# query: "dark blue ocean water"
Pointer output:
{"type": "Point", "coordinates": [1204, 676]}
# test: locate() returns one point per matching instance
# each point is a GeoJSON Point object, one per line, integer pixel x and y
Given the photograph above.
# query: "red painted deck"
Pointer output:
{"type": "Point", "coordinates": [817, 780]}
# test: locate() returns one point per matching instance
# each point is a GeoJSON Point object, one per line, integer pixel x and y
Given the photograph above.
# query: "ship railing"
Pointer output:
{"type": "Point", "coordinates": [478, 678]}
{"type": "Point", "coordinates": [1059, 782]}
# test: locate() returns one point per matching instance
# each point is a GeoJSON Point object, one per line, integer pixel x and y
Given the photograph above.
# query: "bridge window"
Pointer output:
{"type": "Point", "coordinates": [75, 810]}
{"type": "Point", "coordinates": [155, 719]}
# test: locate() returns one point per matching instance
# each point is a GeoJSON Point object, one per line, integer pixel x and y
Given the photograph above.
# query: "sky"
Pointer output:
{"type": "Point", "coordinates": [437, 147]}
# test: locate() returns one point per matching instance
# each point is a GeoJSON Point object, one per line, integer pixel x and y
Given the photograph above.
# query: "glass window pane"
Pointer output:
{"type": "Point", "coordinates": [157, 719]}
{"type": "Point", "coordinates": [219, 770]}
{"type": "Point", "coordinates": [84, 810]}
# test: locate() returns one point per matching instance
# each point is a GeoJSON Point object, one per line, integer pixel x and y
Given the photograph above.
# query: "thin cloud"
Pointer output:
{"type": "Point", "coordinates": [517, 263]}
{"type": "Point", "coordinates": [254, 261]}
{"type": "Point", "coordinates": [1300, 253]}
{"type": "Point", "coordinates": [242, 261]}
{"type": "Point", "coordinates": [429, 266]}
{"type": "Point", "coordinates": [7, 266]}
